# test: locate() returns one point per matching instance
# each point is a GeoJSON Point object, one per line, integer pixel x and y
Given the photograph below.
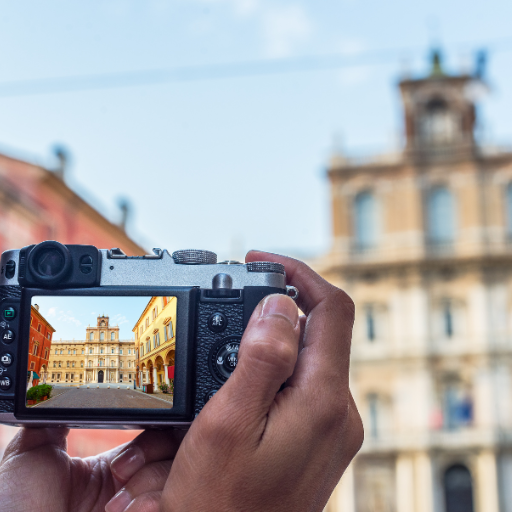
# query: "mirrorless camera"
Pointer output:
{"type": "Point", "coordinates": [95, 338]}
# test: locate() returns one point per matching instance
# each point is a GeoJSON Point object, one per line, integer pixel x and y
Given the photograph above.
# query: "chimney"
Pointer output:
{"type": "Point", "coordinates": [62, 155]}
{"type": "Point", "coordinates": [126, 210]}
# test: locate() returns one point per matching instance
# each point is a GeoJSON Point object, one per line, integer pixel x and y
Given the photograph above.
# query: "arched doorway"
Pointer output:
{"type": "Point", "coordinates": [160, 374]}
{"type": "Point", "coordinates": [100, 376]}
{"type": "Point", "coordinates": [458, 489]}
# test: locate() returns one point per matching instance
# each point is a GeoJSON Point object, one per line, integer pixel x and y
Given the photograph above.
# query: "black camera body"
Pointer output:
{"type": "Point", "coordinates": [180, 320]}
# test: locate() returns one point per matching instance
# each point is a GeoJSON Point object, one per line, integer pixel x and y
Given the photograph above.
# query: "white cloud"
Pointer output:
{"type": "Point", "coordinates": [284, 28]}
{"type": "Point", "coordinates": [119, 319]}
{"type": "Point", "coordinates": [52, 311]}
{"type": "Point", "coordinates": [66, 317]}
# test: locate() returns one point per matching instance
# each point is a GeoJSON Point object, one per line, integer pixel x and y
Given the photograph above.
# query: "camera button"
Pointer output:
{"type": "Point", "coordinates": [86, 264]}
{"type": "Point", "coordinates": [5, 383]}
{"type": "Point", "coordinates": [217, 322]}
{"type": "Point", "coordinates": [10, 269]}
{"type": "Point", "coordinates": [8, 336]}
{"type": "Point", "coordinates": [6, 359]}
{"type": "Point", "coordinates": [209, 395]}
{"type": "Point", "coordinates": [9, 313]}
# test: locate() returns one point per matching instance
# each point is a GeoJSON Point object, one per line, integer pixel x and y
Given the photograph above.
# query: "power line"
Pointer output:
{"type": "Point", "coordinates": [216, 71]}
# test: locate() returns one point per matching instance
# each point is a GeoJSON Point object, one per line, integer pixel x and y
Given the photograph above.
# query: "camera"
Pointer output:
{"type": "Point", "coordinates": [93, 338]}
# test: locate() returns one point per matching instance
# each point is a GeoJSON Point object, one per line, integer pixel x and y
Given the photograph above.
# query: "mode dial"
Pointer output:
{"type": "Point", "coordinates": [194, 257]}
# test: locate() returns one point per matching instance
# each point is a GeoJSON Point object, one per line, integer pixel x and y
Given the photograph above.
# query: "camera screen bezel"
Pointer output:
{"type": "Point", "coordinates": [182, 409]}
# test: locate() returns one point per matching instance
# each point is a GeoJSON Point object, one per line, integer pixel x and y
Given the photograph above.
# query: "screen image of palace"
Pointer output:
{"type": "Point", "coordinates": [101, 352]}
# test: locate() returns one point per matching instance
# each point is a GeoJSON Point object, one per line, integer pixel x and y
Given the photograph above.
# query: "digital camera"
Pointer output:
{"type": "Point", "coordinates": [97, 339]}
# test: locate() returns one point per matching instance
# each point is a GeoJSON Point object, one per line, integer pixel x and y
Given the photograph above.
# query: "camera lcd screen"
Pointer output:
{"type": "Point", "coordinates": [101, 352]}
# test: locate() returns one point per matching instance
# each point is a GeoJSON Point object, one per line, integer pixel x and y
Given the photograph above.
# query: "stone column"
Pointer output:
{"type": "Point", "coordinates": [486, 482]}
{"type": "Point", "coordinates": [404, 484]}
{"type": "Point", "coordinates": [117, 375]}
{"type": "Point", "coordinates": [155, 380]}
{"type": "Point", "coordinates": [166, 375]}
{"type": "Point", "coordinates": [424, 488]}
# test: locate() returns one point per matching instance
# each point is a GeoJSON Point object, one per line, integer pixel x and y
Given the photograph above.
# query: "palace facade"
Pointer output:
{"type": "Point", "coordinates": [101, 358]}
{"type": "Point", "coordinates": [156, 342]}
{"type": "Point", "coordinates": [422, 242]}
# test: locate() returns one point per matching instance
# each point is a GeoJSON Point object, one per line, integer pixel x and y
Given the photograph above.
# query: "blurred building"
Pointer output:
{"type": "Point", "coordinates": [156, 342]}
{"type": "Point", "coordinates": [422, 241]}
{"type": "Point", "coordinates": [36, 204]}
{"type": "Point", "coordinates": [100, 357]}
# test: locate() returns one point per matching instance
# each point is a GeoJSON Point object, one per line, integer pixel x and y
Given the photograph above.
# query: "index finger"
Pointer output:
{"type": "Point", "coordinates": [328, 329]}
{"type": "Point", "coordinates": [313, 289]}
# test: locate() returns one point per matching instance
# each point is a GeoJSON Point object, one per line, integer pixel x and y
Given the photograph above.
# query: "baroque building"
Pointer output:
{"type": "Point", "coordinates": [101, 358]}
{"type": "Point", "coordinates": [156, 342]}
{"type": "Point", "coordinates": [422, 241]}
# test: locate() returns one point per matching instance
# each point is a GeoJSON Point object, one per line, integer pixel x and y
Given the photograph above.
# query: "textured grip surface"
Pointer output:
{"type": "Point", "coordinates": [206, 339]}
{"type": "Point", "coordinates": [6, 405]}
{"type": "Point", "coordinates": [10, 292]}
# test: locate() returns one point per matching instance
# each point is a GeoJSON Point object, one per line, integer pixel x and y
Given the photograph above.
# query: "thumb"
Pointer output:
{"type": "Point", "coordinates": [28, 439]}
{"type": "Point", "coordinates": [267, 357]}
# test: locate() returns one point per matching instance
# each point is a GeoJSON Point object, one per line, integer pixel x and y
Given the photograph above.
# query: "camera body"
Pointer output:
{"type": "Point", "coordinates": [179, 321]}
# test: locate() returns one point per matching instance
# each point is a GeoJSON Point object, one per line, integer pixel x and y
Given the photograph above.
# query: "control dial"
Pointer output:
{"type": "Point", "coordinates": [194, 257]}
{"type": "Point", "coordinates": [224, 358]}
{"type": "Point", "coordinates": [265, 266]}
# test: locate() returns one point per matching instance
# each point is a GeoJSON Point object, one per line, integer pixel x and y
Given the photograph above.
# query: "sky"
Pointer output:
{"type": "Point", "coordinates": [70, 316]}
{"type": "Point", "coordinates": [231, 154]}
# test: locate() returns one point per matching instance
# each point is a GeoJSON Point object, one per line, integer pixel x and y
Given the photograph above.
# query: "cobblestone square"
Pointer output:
{"type": "Point", "coordinates": [102, 398]}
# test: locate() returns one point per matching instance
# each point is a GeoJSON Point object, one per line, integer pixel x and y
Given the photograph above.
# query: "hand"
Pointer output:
{"type": "Point", "coordinates": [255, 448]}
{"type": "Point", "coordinates": [37, 474]}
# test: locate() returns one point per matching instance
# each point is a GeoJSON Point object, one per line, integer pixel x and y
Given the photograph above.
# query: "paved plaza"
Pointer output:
{"type": "Point", "coordinates": [103, 397]}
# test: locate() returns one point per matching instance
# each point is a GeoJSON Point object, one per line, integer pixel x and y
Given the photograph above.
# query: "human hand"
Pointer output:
{"type": "Point", "coordinates": [253, 448]}
{"type": "Point", "coordinates": [37, 474]}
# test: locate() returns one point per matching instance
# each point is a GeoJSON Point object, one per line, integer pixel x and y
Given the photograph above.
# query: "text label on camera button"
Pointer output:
{"type": "Point", "coordinates": [8, 336]}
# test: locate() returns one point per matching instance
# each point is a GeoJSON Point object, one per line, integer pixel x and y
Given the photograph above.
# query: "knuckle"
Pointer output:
{"type": "Point", "coordinates": [272, 351]}
{"type": "Point", "coordinates": [342, 300]}
{"type": "Point", "coordinates": [333, 415]}
{"type": "Point", "coordinates": [156, 472]}
{"type": "Point", "coordinates": [358, 433]}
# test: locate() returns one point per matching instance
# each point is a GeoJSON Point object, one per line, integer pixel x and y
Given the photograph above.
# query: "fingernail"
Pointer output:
{"type": "Point", "coordinates": [280, 305]}
{"type": "Point", "coordinates": [119, 502]}
{"type": "Point", "coordinates": [127, 463]}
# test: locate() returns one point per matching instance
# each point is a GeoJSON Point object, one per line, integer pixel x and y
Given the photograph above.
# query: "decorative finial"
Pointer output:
{"type": "Point", "coordinates": [437, 69]}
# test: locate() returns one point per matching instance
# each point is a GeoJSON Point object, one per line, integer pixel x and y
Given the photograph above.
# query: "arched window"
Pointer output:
{"type": "Point", "coordinates": [91, 336]}
{"type": "Point", "coordinates": [441, 216]}
{"type": "Point", "coordinates": [102, 336]}
{"type": "Point", "coordinates": [458, 489]}
{"type": "Point", "coordinates": [366, 221]}
{"type": "Point", "coordinates": [457, 403]}
{"type": "Point", "coordinates": [437, 123]}
{"type": "Point", "coordinates": [112, 335]}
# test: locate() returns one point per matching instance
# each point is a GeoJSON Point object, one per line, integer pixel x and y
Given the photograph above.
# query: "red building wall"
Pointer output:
{"type": "Point", "coordinates": [41, 333]}
{"type": "Point", "coordinates": [36, 205]}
